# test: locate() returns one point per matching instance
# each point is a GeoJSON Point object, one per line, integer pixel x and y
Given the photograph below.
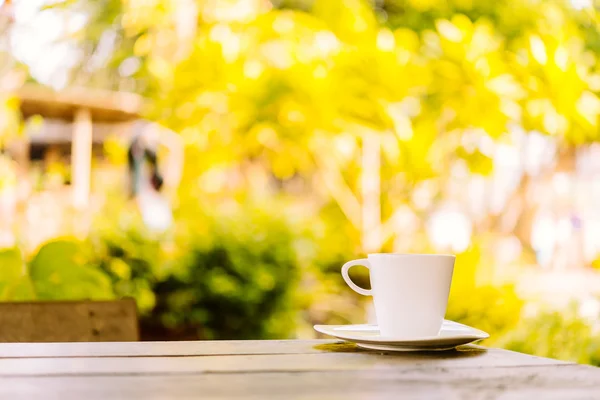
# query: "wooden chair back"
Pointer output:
{"type": "Point", "coordinates": [69, 321]}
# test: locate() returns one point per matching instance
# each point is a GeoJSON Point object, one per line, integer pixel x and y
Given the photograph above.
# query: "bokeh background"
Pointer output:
{"type": "Point", "coordinates": [296, 135]}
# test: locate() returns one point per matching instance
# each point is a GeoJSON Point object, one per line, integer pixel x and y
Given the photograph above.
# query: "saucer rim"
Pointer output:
{"type": "Point", "coordinates": [406, 349]}
{"type": "Point", "coordinates": [473, 335]}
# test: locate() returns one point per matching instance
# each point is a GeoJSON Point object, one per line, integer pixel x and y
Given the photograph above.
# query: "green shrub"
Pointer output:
{"type": "Point", "coordinates": [563, 335]}
{"type": "Point", "coordinates": [228, 275]}
{"type": "Point", "coordinates": [132, 258]}
{"type": "Point", "coordinates": [235, 283]}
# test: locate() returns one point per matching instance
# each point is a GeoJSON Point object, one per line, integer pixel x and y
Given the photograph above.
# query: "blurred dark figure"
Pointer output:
{"type": "Point", "coordinates": [140, 152]}
{"type": "Point", "coordinates": [148, 182]}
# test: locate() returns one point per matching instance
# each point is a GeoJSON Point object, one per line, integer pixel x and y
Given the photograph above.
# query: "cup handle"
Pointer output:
{"type": "Point", "coordinates": [364, 262]}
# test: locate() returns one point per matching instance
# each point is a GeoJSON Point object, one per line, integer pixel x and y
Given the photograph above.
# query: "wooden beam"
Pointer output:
{"type": "Point", "coordinates": [105, 106]}
{"type": "Point", "coordinates": [81, 158]}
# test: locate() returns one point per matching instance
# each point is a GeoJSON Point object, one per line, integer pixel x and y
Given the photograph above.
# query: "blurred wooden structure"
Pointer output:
{"type": "Point", "coordinates": [82, 107]}
{"type": "Point", "coordinates": [69, 321]}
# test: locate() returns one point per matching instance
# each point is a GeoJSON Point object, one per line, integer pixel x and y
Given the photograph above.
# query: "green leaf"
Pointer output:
{"type": "Point", "coordinates": [57, 274]}
{"type": "Point", "coordinates": [22, 290]}
{"type": "Point", "coordinates": [11, 265]}
{"type": "Point", "coordinates": [11, 269]}
{"type": "Point", "coordinates": [53, 259]}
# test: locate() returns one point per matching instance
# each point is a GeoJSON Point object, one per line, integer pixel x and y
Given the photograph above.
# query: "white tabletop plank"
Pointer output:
{"type": "Point", "coordinates": [317, 369]}
{"type": "Point", "coordinates": [249, 347]}
{"type": "Point", "coordinates": [306, 356]}
{"type": "Point", "coordinates": [152, 349]}
{"type": "Point", "coordinates": [506, 383]}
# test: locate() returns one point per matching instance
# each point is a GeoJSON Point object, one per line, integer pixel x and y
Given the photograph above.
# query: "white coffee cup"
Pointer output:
{"type": "Point", "coordinates": [410, 291]}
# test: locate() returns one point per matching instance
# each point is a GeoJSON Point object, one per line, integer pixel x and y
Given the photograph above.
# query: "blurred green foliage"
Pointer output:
{"type": "Point", "coordinates": [131, 258]}
{"type": "Point", "coordinates": [236, 281]}
{"type": "Point", "coordinates": [221, 275]}
{"type": "Point", "coordinates": [563, 335]}
{"type": "Point", "coordinates": [57, 271]}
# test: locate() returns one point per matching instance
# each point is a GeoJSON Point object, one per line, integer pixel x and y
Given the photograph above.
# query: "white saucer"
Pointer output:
{"type": "Point", "coordinates": [451, 334]}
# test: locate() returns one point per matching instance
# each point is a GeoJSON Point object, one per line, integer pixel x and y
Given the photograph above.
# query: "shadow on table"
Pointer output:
{"type": "Point", "coordinates": [459, 352]}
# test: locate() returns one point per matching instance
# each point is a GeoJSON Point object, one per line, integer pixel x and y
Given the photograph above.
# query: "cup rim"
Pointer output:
{"type": "Point", "coordinates": [412, 255]}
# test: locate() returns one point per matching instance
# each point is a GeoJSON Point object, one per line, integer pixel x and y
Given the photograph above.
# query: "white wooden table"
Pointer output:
{"type": "Point", "coordinates": [316, 369]}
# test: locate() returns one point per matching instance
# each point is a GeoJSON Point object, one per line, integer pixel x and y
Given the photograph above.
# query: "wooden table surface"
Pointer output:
{"type": "Point", "coordinates": [293, 369]}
